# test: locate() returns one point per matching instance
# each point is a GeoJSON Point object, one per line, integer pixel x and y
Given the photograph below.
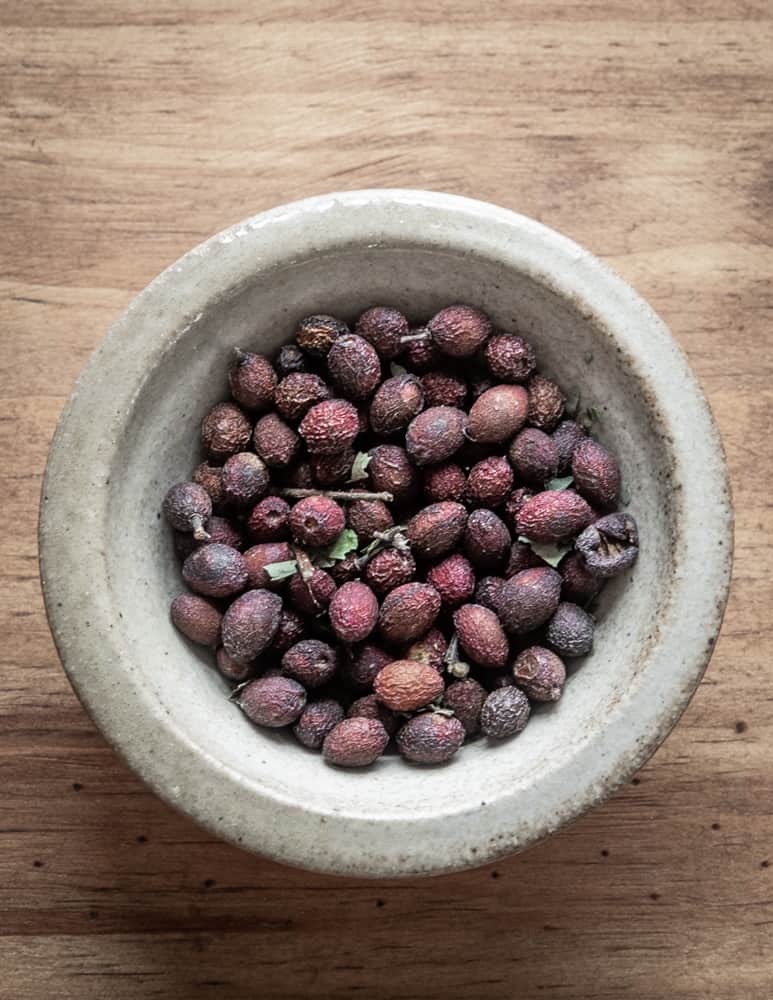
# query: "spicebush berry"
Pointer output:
{"type": "Point", "coordinates": [505, 713]}
{"type": "Point", "coordinates": [210, 478]}
{"type": "Point", "coordinates": [250, 624]}
{"type": "Point", "coordinates": [465, 699]}
{"type": "Point", "coordinates": [297, 393]}
{"type": "Point", "coordinates": [253, 381]}
{"type": "Point", "coordinates": [332, 470]}
{"type": "Point", "coordinates": [481, 636]}
{"type": "Point", "coordinates": [436, 529]}
{"type": "Point", "coordinates": [391, 471]}
{"type": "Point", "coordinates": [292, 629]}
{"type": "Point", "coordinates": [498, 414]}
{"type": "Point", "coordinates": [272, 701]}
{"type": "Point", "coordinates": [316, 334]}
{"type": "Point", "coordinates": [453, 579]}
{"type": "Point", "coordinates": [431, 738]}
{"type": "Point", "coordinates": [577, 584]}
{"type": "Point", "coordinates": [431, 649]}
{"type": "Point", "coordinates": [363, 664]}
{"type": "Point", "coordinates": [509, 358]}
{"type": "Point", "coordinates": [330, 426]}
{"type": "Point", "coordinates": [354, 366]}
{"type": "Point", "coordinates": [442, 388]}
{"type": "Point", "coordinates": [446, 481]}
{"type": "Point", "coordinates": [369, 707]}
{"type": "Point", "coordinates": [407, 612]}
{"type": "Point", "coordinates": [529, 599]}
{"type": "Point", "coordinates": [539, 673]}
{"type": "Point", "coordinates": [230, 669]}
{"type": "Point", "coordinates": [570, 630]}
{"type": "Point", "coordinates": [269, 520]}
{"type": "Point", "coordinates": [389, 569]}
{"type": "Point", "coordinates": [353, 612]}
{"type": "Point", "coordinates": [275, 441]}
{"type": "Point", "coordinates": [245, 479]}
{"type": "Point", "coordinates": [397, 401]}
{"type": "Point", "coordinates": [290, 359]}
{"type": "Point", "coordinates": [197, 619]}
{"type": "Point", "coordinates": [316, 521]}
{"type": "Point", "coordinates": [596, 473]}
{"type": "Point", "coordinates": [405, 685]}
{"type": "Point", "coordinates": [215, 571]}
{"type": "Point", "coordinates": [366, 517]}
{"type": "Point", "coordinates": [346, 569]}
{"type": "Point", "coordinates": [355, 742]}
{"type": "Point", "coordinates": [488, 591]}
{"type": "Point", "coordinates": [257, 557]}
{"type": "Point", "coordinates": [434, 435]}
{"type": "Point", "coordinates": [554, 516]}
{"type": "Point", "coordinates": [610, 546]}
{"type": "Point", "coordinates": [460, 330]}
{"type": "Point", "coordinates": [224, 431]}
{"type": "Point", "coordinates": [489, 482]}
{"type": "Point", "coordinates": [566, 437]}
{"type": "Point", "coordinates": [187, 507]}
{"type": "Point", "coordinates": [312, 596]}
{"type": "Point", "coordinates": [310, 662]}
{"type": "Point", "coordinates": [534, 456]}
{"type": "Point", "coordinates": [514, 505]}
{"type": "Point", "coordinates": [546, 403]}
{"type": "Point", "coordinates": [384, 328]}
{"type": "Point", "coordinates": [421, 356]}
{"type": "Point", "coordinates": [316, 721]}
{"type": "Point", "coordinates": [486, 540]}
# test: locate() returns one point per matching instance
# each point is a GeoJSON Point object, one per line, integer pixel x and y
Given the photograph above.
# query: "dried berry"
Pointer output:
{"type": "Point", "coordinates": [430, 649]}
{"type": "Point", "coordinates": [363, 664]}
{"type": "Point", "coordinates": [534, 456]}
{"type": "Point", "coordinates": [436, 529]}
{"type": "Point", "coordinates": [577, 583]}
{"type": "Point", "coordinates": [409, 611]}
{"type": "Point", "coordinates": [498, 414]}
{"type": "Point", "coordinates": [390, 470]}
{"type": "Point", "coordinates": [220, 530]}
{"type": "Point", "coordinates": [388, 569]}
{"type": "Point", "coordinates": [316, 721]}
{"type": "Point", "coordinates": [369, 707]}
{"type": "Point", "coordinates": [566, 437]}
{"type": "Point", "coordinates": [210, 478]}
{"type": "Point", "coordinates": [316, 334]}
{"type": "Point", "coordinates": [570, 630]}
{"type": "Point", "coordinates": [481, 636]}
{"type": "Point", "coordinates": [459, 331]}
{"type": "Point", "coordinates": [187, 507]}
{"type": "Point", "coordinates": [224, 431]}
{"type": "Point", "coordinates": [313, 595]}
{"type": "Point", "coordinates": [505, 713]}
{"type": "Point", "coordinates": [366, 517]}
{"type": "Point", "coordinates": [291, 630]}
{"type": "Point", "coordinates": [245, 479]}
{"type": "Point", "coordinates": [514, 505]}
{"type": "Point", "coordinates": [546, 403]}
{"type": "Point", "coordinates": [215, 571]}
{"type": "Point", "coordinates": [486, 540]}
{"type": "Point", "coordinates": [250, 624]}
{"type": "Point", "coordinates": [353, 612]}
{"type": "Point", "coordinates": [453, 579]}
{"type": "Point", "coordinates": [489, 482]}
{"type": "Point", "coordinates": [197, 619]}
{"type": "Point", "coordinates": [465, 699]}
{"type": "Point", "coordinates": [444, 482]}
{"type": "Point", "coordinates": [396, 403]}
{"type": "Point", "coordinates": [509, 358]}
{"type": "Point", "coordinates": [290, 359]}
{"type": "Point", "coordinates": [610, 546]}
{"type": "Point", "coordinates": [529, 599]}
{"type": "Point", "coordinates": [346, 569]}
{"type": "Point", "coordinates": [521, 557]}
{"type": "Point", "coordinates": [554, 516]}
{"type": "Point", "coordinates": [275, 441]}
{"type": "Point", "coordinates": [310, 662]}
{"type": "Point", "coordinates": [354, 366]}
{"type": "Point", "coordinates": [405, 685]}
{"type": "Point", "coordinates": [431, 738]}
{"type": "Point", "coordinates": [421, 354]}
{"type": "Point", "coordinates": [253, 381]}
{"type": "Point", "coordinates": [489, 591]}
{"type": "Point", "coordinates": [232, 670]}
{"type": "Point", "coordinates": [539, 673]}
{"type": "Point", "coordinates": [596, 473]}
{"type": "Point", "coordinates": [272, 701]}
{"type": "Point", "coordinates": [316, 521]}
{"type": "Point", "coordinates": [332, 470]}
{"type": "Point", "coordinates": [268, 520]}
{"type": "Point", "coordinates": [435, 434]}
{"type": "Point", "coordinates": [299, 475]}
{"type": "Point", "coordinates": [355, 743]}
{"type": "Point", "coordinates": [257, 557]}
{"type": "Point", "coordinates": [384, 328]}
{"type": "Point", "coordinates": [442, 388]}
{"type": "Point", "coordinates": [297, 393]}
{"type": "Point", "coordinates": [330, 427]}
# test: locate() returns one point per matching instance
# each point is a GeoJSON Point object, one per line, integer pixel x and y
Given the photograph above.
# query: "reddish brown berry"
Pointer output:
{"type": "Point", "coordinates": [441, 388]}
{"type": "Point", "coordinates": [610, 546]}
{"type": "Point", "coordinates": [390, 470]}
{"type": "Point", "coordinates": [486, 540]}
{"type": "Point", "coordinates": [421, 355]}
{"type": "Point", "coordinates": [514, 505]}
{"type": "Point", "coordinates": [291, 630]}
{"type": "Point", "coordinates": [299, 475]}
{"type": "Point", "coordinates": [230, 669]}
{"type": "Point", "coordinates": [353, 612]}
{"type": "Point", "coordinates": [316, 721]}
{"type": "Point", "coordinates": [505, 713]}
{"type": "Point", "coordinates": [529, 599]}
{"type": "Point", "coordinates": [250, 623]}
{"type": "Point", "coordinates": [570, 630]}
{"type": "Point", "coordinates": [577, 583]}
{"type": "Point", "coordinates": [197, 619]}
{"type": "Point", "coordinates": [346, 569]}
{"type": "Point", "coordinates": [268, 520]}
{"type": "Point", "coordinates": [310, 662]}
{"type": "Point", "coordinates": [245, 479]}
{"type": "Point", "coordinates": [253, 381]}
{"type": "Point", "coordinates": [297, 393]}
{"type": "Point", "coordinates": [215, 571]}
{"type": "Point", "coordinates": [436, 529]}
{"type": "Point", "coordinates": [554, 516]}
{"type": "Point", "coordinates": [395, 404]}
{"type": "Point", "coordinates": [316, 334]}
{"type": "Point", "coordinates": [257, 557]}
{"type": "Point", "coordinates": [546, 403]}
{"type": "Point", "coordinates": [275, 441]}
{"type": "Point", "coordinates": [596, 473]}
{"type": "Point", "coordinates": [409, 611]}
{"type": "Point", "coordinates": [369, 707]}
{"type": "Point", "coordinates": [388, 569]}
{"type": "Point", "coordinates": [489, 591]}
{"type": "Point", "coordinates": [330, 427]}
{"type": "Point", "coordinates": [363, 664]}
{"type": "Point", "coordinates": [489, 482]}
{"type": "Point", "coordinates": [312, 596]}
{"type": "Point", "coordinates": [444, 482]}
{"type": "Point", "coordinates": [534, 456]}
{"type": "Point", "coordinates": [498, 414]}
{"type": "Point", "coordinates": [384, 328]}
{"type": "Point", "coordinates": [431, 649]}
{"type": "Point", "coordinates": [290, 359]}
{"type": "Point", "coordinates": [431, 738]}
{"type": "Point", "coordinates": [453, 579]}
{"type": "Point", "coordinates": [521, 557]}
{"type": "Point", "coordinates": [316, 521]}
{"type": "Point", "coordinates": [366, 517]}
{"type": "Point", "coordinates": [459, 331]}
{"type": "Point", "coordinates": [220, 530]}
{"type": "Point", "coordinates": [355, 742]}
{"type": "Point", "coordinates": [566, 437]}
{"type": "Point", "coordinates": [332, 470]}
{"type": "Point", "coordinates": [210, 478]}
{"type": "Point", "coordinates": [354, 366]}
{"type": "Point", "coordinates": [539, 673]}
{"type": "Point", "coordinates": [272, 701]}
{"type": "Point", "coordinates": [405, 685]}
{"type": "Point", "coordinates": [187, 507]}
{"type": "Point", "coordinates": [465, 699]}
{"type": "Point", "coordinates": [435, 434]}
{"type": "Point", "coordinates": [481, 636]}
{"type": "Point", "coordinates": [224, 431]}
{"type": "Point", "coordinates": [509, 358]}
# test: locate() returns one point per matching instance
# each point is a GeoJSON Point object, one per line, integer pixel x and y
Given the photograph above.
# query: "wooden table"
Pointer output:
{"type": "Point", "coordinates": [130, 131]}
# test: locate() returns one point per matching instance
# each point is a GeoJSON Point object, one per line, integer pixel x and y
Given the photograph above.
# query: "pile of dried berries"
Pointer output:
{"type": "Point", "coordinates": [380, 549]}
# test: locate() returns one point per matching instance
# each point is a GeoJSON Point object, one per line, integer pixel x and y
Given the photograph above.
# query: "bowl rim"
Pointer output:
{"type": "Point", "coordinates": [70, 556]}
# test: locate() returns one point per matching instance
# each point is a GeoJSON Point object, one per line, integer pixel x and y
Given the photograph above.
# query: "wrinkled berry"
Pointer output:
{"type": "Point", "coordinates": [481, 636]}
{"type": "Point", "coordinates": [230, 669]}
{"type": "Point", "coordinates": [534, 456]}
{"type": "Point", "coordinates": [505, 713]}
{"type": "Point", "coordinates": [431, 649]}
{"type": "Point", "coordinates": [250, 623]}
{"type": "Point", "coordinates": [486, 540]}
{"type": "Point", "coordinates": [332, 470]}
{"type": "Point", "coordinates": [330, 426]}
{"type": "Point", "coordinates": [257, 557]}
{"type": "Point", "coordinates": [275, 441]}
{"type": "Point", "coordinates": [390, 471]}
{"type": "Point", "coordinates": [363, 664]}
{"type": "Point", "coordinates": [421, 356]}
{"type": "Point", "coordinates": [197, 619]}
{"type": "Point", "coordinates": [436, 529]}
{"type": "Point", "coordinates": [489, 482]}
{"type": "Point", "coordinates": [444, 482]}
{"type": "Point", "coordinates": [312, 596]}
{"type": "Point", "coordinates": [224, 431]}
{"type": "Point", "coordinates": [570, 630]}
{"type": "Point", "coordinates": [269, 520]}
{"type": "Point", "coordinates": [353, 612]}
{"type": "Point", "coordinates": [539, 673]}
{"type": "Point", "coordinates": [577, 583]}
{"type": "Point", "coordinates": [316, 521]}
{"type": "Point", "coordinates": [297, 393]}
{"type": "Point", "coordinates": [514, 505]}
{"type": "Point", "coordinates": [529, 599]}
{"type": "Point", "coordinates": [245, 479]}
{"type": "Point", "coordinates": [316, 334]}
{"type": "Point", "coordinates": [465, 699]}
{"type": "Point", "coordinates": [453, 579]}
{"type": "Point", "coordinates": [405, 685]}
{"type": "Point", "coordinates": [215, 571]}
{"type": "Point", "coordinates": [253, 381]}
{"type": "Point", "coordinates": [459, 331]}
{"type": "Point", "coordinates": [498, 414]}
{"type": "Point", "coordinates": [384, 328]}
{"type": "Point", "coordinates": [434, 435]}
{"type": "Point", "coordinates": [366, 517]}
{"type": "Point", "coordinates": [546, 403]}
{"type": "Point", "coordinates": [442, 388]}
{"type": "Point", "coordinates": [291, 630]}
{"type": "Point", "coordinates": [187, 507]}
{"type": "Point", "coordinates": [488, 591]}
{"type": "Point", "coordinates": [388, 569]}
{"type": "Point", "coordinates": [310, 662]}
{"type": "Point", "coordinates": [210, 478]}
{"type": "Point", "coordinates": [355, 742]}
{"type": "Point", "coordinates": [272, 701]}
{"type": "Point", "coordinates": [431, 738]}
{"type": "Point", "coordinates": [407, 612]}
{"type": "Point", "coordinates": [397, 401]}
{"type": "Point", "coordinates": [290, 359]}
{"type": "Point", "coordinates": [554, 516]}
{"type": "Point", "coordinates": [354, 366]}
{"type": "Point", "coordinates": [369, 707]}
{"type": "Point", "coordinates": [610, 546]}
{"type": "Point", "coordinates": [596, 473]}
{"type": "Point", "coordinates": [566, 437]}
{"type": "Point", "coordinates": [509, 358]}
{"type": "Point", "coordinates": [316, 721]}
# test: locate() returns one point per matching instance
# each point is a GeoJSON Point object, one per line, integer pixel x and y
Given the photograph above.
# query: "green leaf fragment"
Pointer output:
{"type": "Point", "coordinates": [547, 552]}
{"type": "Point", "coordinates": [397, 370]}
{"type": "Point", "coordinates": [346, 542]}
{"type": "Point", "coordinates": [561, 484]}
{"type": "Point", "coordinates": [360, 467]}
{"type": "Point", "coordinates": [281, 570]}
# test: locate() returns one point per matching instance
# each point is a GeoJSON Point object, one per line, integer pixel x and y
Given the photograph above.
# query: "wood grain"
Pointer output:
{"type": "Point", "coordinates": [131, 130]}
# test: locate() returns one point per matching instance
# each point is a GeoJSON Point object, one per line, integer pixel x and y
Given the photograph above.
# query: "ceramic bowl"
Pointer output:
{"type": "Point", "coordinates": [131, 428]}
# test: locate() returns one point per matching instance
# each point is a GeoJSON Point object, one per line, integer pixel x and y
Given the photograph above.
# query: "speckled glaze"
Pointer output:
{"type": "Point", "coordinates": [130, 430]}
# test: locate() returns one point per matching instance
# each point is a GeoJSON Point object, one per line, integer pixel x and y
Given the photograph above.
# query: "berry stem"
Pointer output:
{"type": "Point", "coordinates": [394, 537]}
{"type": "Point", "coordinates": [456, 667]}
{"type": "Point", "coordinates": [305, 566]}
{"type": "Point", "coordinates": [299, 493]}
{"type": "Point", "coordinates": [411, 337]}
{"type": "Point", "coordinates": [197, 527]}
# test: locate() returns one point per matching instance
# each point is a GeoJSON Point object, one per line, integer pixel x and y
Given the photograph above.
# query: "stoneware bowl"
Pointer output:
{"type": "Point", "coordinates": [131, 429]}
